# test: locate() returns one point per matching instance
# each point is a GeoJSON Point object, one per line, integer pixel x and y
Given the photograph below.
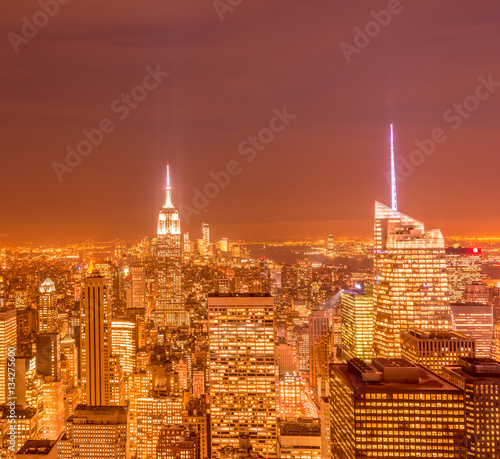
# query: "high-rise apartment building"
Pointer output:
{"type": "Point", "coordinates": [8, 343]}
{"type": "Point", "coordinates": [479, 379]}
{"type": "Point", "coordinates": [138, 286]}
{"type": "Point", "coordinates": [435, 349]}
{"type": "Point", "coordinates": [178, 441]}
{"type": "Point", "coordinates": [356, 306]}
{"type": "Point", "coordinates": [97, 432]}
{"type": "Point", "coordinates": [2, 292]}
{"type": "Point", "coordinates": [123, 343]}
{"type": "Point", "coordinates": [476, 293]}
{"type": "Point", "coordinates": [170, 310]}
{"type": "Point", "coordinates": [206, 239]}
{"type": "Point", "coordinates": [53, 409]}
{"type": "Point", "coordinates": [411, 282]}
{"type": "Point", "coordinates": [47, 307]}
{"type": "Point", "coordinates": [464, 265]}
{"type": "Point", "coordinates": [48, 355]}
{"type": "Point", "coordinates": [476, 321]}
{"type": "Point", "coordinates": [241, 370]}
{"type": "Point", "coordinates": [319, 334]}
{"type": "Point", "coordinates": [153, 412]}
{"type": "Point", "coordinates": [326, 433]}
{"type": "Point", "coordinates": [95, 337]}
{"type": "Point", "coordinates": [299, 439]}
{"type": "Point", "coordinates": [394, 409]}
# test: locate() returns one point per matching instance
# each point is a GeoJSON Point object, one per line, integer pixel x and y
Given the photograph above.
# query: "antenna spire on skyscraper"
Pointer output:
{"type": "Point", "coordinates": [168, 197]}
{"type": "Point", "coordinates": [393, 173]}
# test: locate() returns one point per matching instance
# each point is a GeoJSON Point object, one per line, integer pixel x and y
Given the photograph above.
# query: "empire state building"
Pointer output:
{"type": "Point", "coordinates": [170, 310]}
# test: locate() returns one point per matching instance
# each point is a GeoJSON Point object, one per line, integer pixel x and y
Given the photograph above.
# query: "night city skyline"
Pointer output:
{"type": "Point", "coordinates": [319, 175]}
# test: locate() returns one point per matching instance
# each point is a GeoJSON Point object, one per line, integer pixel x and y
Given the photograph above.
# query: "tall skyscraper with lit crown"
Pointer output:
{"type": "Point", "coordinates": [47, 307]}
{"type": "Point", "coordinates": [170, 310]}
{"type": "Point", "coordinates": [411, 281]}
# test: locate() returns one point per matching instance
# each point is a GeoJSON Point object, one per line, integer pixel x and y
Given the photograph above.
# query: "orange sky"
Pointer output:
{"type": "Point", "coordinates": [320, 174]}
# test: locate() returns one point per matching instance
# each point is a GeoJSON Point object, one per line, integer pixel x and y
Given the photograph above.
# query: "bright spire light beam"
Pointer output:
{"type": "Point", "coordinates": [393, 173]}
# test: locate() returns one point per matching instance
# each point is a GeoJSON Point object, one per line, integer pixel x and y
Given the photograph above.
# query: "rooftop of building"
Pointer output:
{"type": "Point", "coordinates": [436, 334]}
{"type": "Point", "coordinates": [6, 312]}
{"type": "Point", "coordinates": [99, 414]}
{"type": "Point", "coordinates": [425, 381]}
{"type": "Point", "coordinates": [21, 413]}
{"type": "Point", "coordinates": [239, 295]}
{"type": "Point", "coordinates": [471, 308]}
{"type": "Point", "coordinates": [299, 427]}
{"type": "Point", "coordinates": [476, 368]}
{"type": "Point", "coordinates": [37, 447]}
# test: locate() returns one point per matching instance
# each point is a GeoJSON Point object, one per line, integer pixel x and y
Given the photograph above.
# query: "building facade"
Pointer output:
{"type": "Point", "coordinates": [394, 409]}
{"type": "Point", "coordinates": [435, 349]}
{"type": "Point", "coordinates": [242, 370]}
{"type": "Point", "coordinates": [411, 281]}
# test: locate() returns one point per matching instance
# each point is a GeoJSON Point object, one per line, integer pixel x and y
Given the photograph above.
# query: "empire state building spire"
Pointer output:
{"type": "Point", "coordinates": [168, 192]}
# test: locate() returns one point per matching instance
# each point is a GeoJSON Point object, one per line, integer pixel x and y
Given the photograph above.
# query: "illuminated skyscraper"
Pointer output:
{"type": "Point", "coordinates": [357, 322]}
{"type": "Point", "coordinates": [475, 320]}
{"type": "Point", "coordinates": [153, 412]}
{"type": "Point", "coordinates": [479, 379]}
{"type": "Point", "coordinates": [411, 283]}
{"type": "Point", "coordinates": [187, 243]}
{"type": "Point", "coordinates": [394, 409]}
{"type": "Point", "coordinates": [47, 308]}
{"type": "Point", "coordinates": [170, 310]}
{"type": "Point", "coordinates": [178, 441]}
{"type": "Point", "coordinates": [241, 370]}
{"type": "Point", "coordinates": [69, 370]}
{"type": "Point", "coordinates": [53, 409]}
{"type": "Point", "coordinates": [2, 292]}
{"type": "Point", "coordinates": [435, 349]}
{"type": "Point", "coordinates": [206, 239]}
{"type": "Point", "coordinates": [123, 343]}
{"type": "Point", "coordinates": [95, 332]}
{"type": "Point", "coordinates": [299, 438]}
{"type": "Point", "coordinates": [319, 334]}
{"type": "Point", "coordinates": [138, 275]}
{"type": "Point", "coordinates": [8, 340]}
{"type": "Point", "coordinates": [464, 266]}
{"type": "Point", "coordinates": [97, 432]}
{"type": "Point", "coordinates": [48, 355]}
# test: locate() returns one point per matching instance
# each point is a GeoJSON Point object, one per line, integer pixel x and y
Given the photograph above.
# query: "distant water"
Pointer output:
{"type": "Point", "coordinates": [290, 255]}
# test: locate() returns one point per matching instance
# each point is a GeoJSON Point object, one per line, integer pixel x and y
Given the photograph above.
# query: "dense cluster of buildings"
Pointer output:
{"type": "Point", "coordinates": [174, 348]}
